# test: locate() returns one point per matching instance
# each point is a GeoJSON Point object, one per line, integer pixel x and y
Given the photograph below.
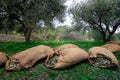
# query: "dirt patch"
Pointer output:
{"type": "Point", "coordinates": [11, 38]}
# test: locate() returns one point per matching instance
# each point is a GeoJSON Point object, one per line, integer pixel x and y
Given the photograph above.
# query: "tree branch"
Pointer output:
{"type": "Point", "coordinates": [20, 21]}
{"type": "Point", "coordinates": [100, 24]}
{"type": "Point", "coordinates": [115, 27]}
{"type": "Point", "coordinates": [107, 28]}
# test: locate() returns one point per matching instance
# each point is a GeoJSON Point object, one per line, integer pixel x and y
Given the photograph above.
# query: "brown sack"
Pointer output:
{"type": "Point", "coordinates": [67, 57]}
{"type": "Point", "coordinates": [101, 57]}
{"type": "Point", "coordinates": [27, 58]}
{"type": "Point", "coordinates": [63, 47]}
{"type": "Point", "coordinates": [112, 46]}
{"type": "Point", "coordinates": [3, 58]}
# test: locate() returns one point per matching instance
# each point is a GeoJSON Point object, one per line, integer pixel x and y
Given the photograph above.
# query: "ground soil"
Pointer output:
{"type": "Point", "coordinates": [11, 38]}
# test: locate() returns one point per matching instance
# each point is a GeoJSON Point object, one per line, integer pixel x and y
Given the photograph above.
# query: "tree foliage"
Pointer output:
{"type": "Point", "coordinates": [100, 15]}
{"type": "Point", "coordinates": [67, 33]}
{"type": "Point", "coordinates": [91, 35]}
{"type": "Point", "coordinates": [43, 33]}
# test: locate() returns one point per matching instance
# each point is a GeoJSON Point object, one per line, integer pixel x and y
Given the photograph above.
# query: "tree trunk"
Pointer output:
{"type": "Point", "coordinates": [27, 34]}
{"type": "Point", "coordinates": [26, 30]}
{"type": "Point", "coordinates": [6, 32]}
{"type": "Point", "coordinates": [105, 38]}
{"type": "Point", "coordinates": [108, 38]}
{"type": "Point", "coordinates": [115, 27]}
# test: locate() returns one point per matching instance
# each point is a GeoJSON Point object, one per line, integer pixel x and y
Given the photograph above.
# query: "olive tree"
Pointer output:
{"type": "Point", "coordinates": [100, 15]}
{"type": "Point", "coordinates": [30, 12]}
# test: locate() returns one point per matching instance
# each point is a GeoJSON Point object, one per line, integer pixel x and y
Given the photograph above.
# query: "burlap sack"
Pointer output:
{"type": "Point", "coordinates": [63, 47]}
{"type": "Point", "coordinates": [98, 52]}
{"type": "Point", "coordinates": [27, 58]}
{"type": "Point", "coordinates": [67, 58]}
{"type": "Point", "coordinates": [3, 58]}
{"type": "Point", "coordinates": [113, 46]}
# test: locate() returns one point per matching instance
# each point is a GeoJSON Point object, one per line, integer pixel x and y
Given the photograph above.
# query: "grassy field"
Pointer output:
{"type": "Point", "coordinates": [80, 71]}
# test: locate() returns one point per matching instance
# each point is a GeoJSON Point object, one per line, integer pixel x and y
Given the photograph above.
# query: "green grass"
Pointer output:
{"type": "Point", "coordinates": [80, 71]}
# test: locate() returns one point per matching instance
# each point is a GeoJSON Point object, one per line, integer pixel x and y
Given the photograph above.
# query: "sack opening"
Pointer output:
{"type": "Point", "coordinates": [101, 61]}
{"type": "Point", "coordinates": [13, 64]}
{"type": "Point", "coordinates": [52, 61]}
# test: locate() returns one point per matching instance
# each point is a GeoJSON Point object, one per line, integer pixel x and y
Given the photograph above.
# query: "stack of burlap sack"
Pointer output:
{"type": "Point", "coordinates": [68, 55]}
{"type": "Point", "coordinates": [61, 57]}
{"type": "Point", "coordinates": [25, 59]}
